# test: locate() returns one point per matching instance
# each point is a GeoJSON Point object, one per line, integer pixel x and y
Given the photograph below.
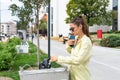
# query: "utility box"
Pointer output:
{"type": "Point", "coordinates": [45, 74]}
{"type": "Point", "coordinates": [23, 48]}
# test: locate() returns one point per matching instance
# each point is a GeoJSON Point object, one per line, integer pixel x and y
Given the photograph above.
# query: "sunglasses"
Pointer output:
{"type": "Point", "coordinates": [72, 29]}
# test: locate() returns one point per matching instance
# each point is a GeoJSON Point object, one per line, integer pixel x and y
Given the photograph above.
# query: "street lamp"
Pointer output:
{"type": "Point", "coordinates": [46, 64]}
{"type": "Point", "coordinates": [49, 30]}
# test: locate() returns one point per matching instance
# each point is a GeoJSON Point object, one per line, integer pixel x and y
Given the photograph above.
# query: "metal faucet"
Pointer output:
{"type": "Point", "coordinates": [22, 67]}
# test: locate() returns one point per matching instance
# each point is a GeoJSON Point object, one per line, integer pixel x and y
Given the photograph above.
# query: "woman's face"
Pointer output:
{"type": "Point", "coordinates": [75, 29]}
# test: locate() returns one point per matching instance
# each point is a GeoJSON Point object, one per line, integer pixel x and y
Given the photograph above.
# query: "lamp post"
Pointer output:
{"type": "Point", "coordinates": [49, 30]}
{"type": "Point", "coordinates": [37, 25]}
{"type": "Point", "coordinates": [46, 64]}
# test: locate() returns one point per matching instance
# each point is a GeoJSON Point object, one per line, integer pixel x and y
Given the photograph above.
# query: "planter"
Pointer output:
{"type": "Point", "coordinates": [45, 74]}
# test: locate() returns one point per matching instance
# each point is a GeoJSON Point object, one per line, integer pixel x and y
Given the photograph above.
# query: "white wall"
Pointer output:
{"type": "Point", "coordinates": [59, 16]}
{"type": "Point", "coordinates": [104, 28]}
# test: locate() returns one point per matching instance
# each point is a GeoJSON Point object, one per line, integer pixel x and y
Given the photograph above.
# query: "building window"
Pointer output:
{"type": "Point", "coordinates": [51, 15]}
{"type": "Point", "coordinates": [115, 18]}
{"type": "Point", "coordinates": [8, 30]}
{"type": "Point", "coordinates": [115, 4]}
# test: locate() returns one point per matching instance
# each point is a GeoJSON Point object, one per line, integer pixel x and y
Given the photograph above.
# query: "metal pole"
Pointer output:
{"type": "Point", "coordinates": [49, 30]}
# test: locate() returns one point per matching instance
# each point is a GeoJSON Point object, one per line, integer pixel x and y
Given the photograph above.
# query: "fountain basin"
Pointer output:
{"type": "Point", "coordinates": [45, 74]}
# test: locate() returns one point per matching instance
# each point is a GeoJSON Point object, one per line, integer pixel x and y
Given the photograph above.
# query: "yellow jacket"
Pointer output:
{"type": "Point", "coordinates": [78, 60]}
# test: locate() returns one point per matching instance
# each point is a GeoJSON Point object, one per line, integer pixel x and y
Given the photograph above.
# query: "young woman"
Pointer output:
{"type": "Point", "coordinates": [80, 53]}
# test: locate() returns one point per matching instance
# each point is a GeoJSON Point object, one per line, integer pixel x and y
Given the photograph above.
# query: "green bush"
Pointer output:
{"type": "Point", "coordinates": [110, 41]}
{"type": "Point", "coordinates": [8, 53]}
{"type": "Point", "coordinates": [15, 40]}
{"type": "Point", "coordinates": [5, 61]}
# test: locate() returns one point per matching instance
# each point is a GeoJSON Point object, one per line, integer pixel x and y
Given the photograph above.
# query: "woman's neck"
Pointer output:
{"type": "Point", "coordinates": [80, 36]}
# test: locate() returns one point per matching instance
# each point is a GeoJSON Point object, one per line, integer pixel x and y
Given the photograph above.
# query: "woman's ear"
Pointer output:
{"type": "Point", "coordinates": [80, 26]}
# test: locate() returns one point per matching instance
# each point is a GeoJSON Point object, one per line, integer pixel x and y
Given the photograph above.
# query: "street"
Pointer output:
{"type": "Point", "coordinates": [104, 63]}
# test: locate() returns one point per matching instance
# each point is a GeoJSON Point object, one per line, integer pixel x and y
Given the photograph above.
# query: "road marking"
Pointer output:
{"type": "Point", "coordinates": [118, 69]}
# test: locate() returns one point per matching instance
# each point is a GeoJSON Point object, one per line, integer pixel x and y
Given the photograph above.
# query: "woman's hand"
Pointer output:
{"type": "Point", "coordinates": [53, 58]}
{"type": "Point", "coordinates": [71, 42]}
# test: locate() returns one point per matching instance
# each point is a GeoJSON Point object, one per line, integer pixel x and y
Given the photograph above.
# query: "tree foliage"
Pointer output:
{"type": "Point", "coordinates": [27, 11]}
{"type": "Point", "coordinates": [43, 24]}
{"type": "Point", "coordinates": [23, 13]}
{"type": "Point", "coordinates": [94, 10]}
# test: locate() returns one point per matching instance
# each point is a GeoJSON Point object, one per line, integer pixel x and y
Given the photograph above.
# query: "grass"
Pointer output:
{"type": "Point", "coordinates": [23, 59]}
{"type": "Point", "coordinates": [10, 73]}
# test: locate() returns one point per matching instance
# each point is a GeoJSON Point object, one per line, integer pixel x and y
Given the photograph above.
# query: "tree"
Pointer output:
{"type": "Point", "coordinates": [92, 9]}
{"type": "Point", "coordinates": [23, 13]}
{"type": "Point", "coordinates": [30, 8]}
{"type": "Point", "coordinates": [43, 24]}
{"type": "Point", "coordinates": [43, 27]}
{"type": "Point", "coordinates": [27, 11]}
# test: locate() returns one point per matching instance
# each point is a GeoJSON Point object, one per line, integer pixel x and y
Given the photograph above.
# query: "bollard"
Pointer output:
{"type": "Point", "coordinates": [99, 34]}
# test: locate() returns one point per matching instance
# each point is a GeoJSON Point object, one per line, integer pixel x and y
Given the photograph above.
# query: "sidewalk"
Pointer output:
{"type": "Point", "coordinates": [104, 64]}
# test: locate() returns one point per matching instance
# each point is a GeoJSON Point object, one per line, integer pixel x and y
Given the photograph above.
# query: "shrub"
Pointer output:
{"type": "Point", "coordinates": [110, 41]}
{"type": "Point", "coordinates": [5, 61]}
{"type": "Point", "coordinates": [8, 52]}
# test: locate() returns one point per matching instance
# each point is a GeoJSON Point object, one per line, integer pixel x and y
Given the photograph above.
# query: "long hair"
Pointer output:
{"type": "Point", "coordinates": [81, 20]}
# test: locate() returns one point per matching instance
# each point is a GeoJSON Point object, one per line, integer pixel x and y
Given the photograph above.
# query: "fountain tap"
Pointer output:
{"type": "Point", "coordinates": [22, 67]}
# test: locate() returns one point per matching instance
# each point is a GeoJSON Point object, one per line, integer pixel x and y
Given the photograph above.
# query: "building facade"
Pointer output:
{"type": "Point", "coordinates": [58, 16]}
{"type": "Point", "coordinates": [116, 10]}
{"type": "Point", "coordinates": [8, 29]}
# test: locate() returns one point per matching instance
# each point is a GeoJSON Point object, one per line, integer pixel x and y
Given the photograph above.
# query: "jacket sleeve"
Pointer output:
{"type": "Point", "coordinates": [68, 48]}
{"type": "Point", "coordinates": [82, 54]}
